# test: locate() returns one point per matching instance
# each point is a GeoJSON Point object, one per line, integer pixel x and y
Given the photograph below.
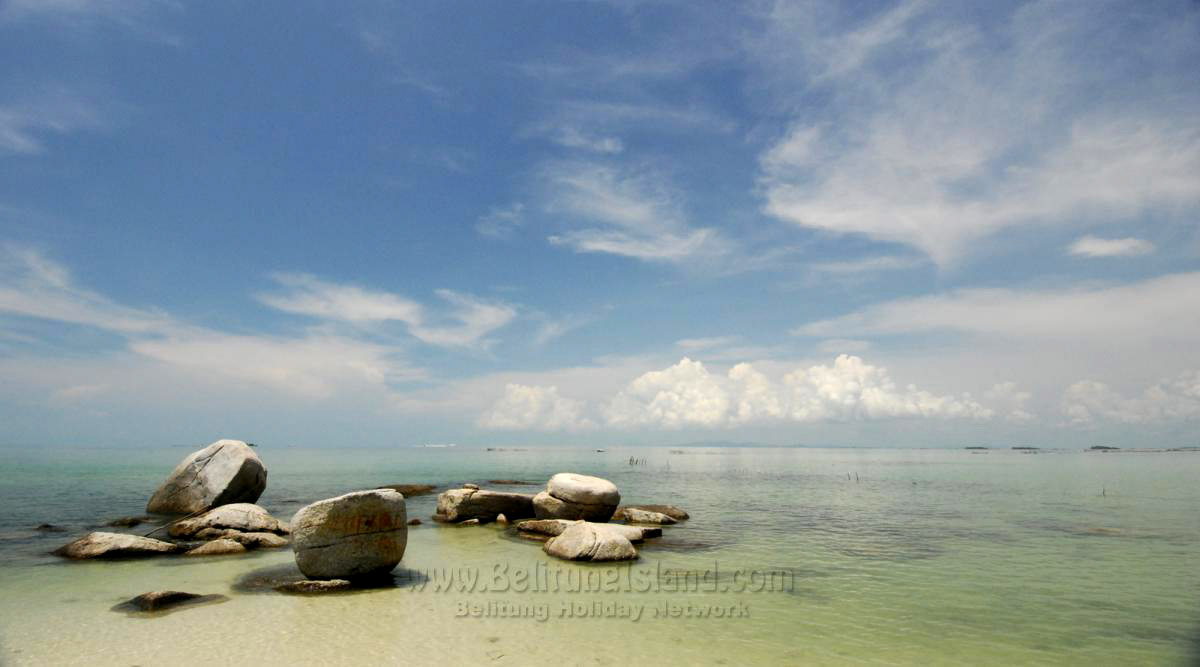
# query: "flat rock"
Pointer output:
{"type": "Point", "coordinates": [242, 517]}
{"type": "Point", "coordinates": [312, 587]}
{"type": "Point", "coordinates": [165, 601]}
{"type": "Point", "coordinates": [586, 541]}
{"type": "Point", "coordinates": [358, 534]}
{"type": "Point", "coordinates": [258, 540]}
{"type": "Point", "coordinates": [461, 504]}
{"type": "Point", "coordinates": [115, 545]}
{"type": "Point", "coordinates": [546, 506]}
{"type": "Point", "coordinates": [227, 471]}
{"type": "Point", "coordinates": [410, 490]}
{"type": "Point", "coordinates": [677, 513]}
{"type": "Point", "coordinates": [555, 527]}
{"type": "Point", "coordinates": [219, 547]}
{"type": "Point", "coordinates": [634, 515]}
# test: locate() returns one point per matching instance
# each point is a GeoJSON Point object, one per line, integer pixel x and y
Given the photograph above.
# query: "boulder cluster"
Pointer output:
{"type": "Point", "coordinates": [341, 542]}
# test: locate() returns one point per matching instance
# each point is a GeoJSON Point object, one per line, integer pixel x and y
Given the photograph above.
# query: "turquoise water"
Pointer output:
{"type": "Point", "coordinates": [893, 557]}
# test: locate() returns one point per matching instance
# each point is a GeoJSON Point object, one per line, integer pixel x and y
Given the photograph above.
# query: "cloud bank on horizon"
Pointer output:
{"type": "Point", "coordinates": [908, 222]}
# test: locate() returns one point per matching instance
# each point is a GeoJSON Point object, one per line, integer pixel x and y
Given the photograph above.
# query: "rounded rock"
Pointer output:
{"type": "Point", "coordinates": [358, 534]}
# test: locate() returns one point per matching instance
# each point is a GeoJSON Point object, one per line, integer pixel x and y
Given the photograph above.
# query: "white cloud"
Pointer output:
{"type": "Point", "coordinates": [315, 366]}
{"type": "Point", "coordinates": [940, 134]}
{"type": "Point", "coordinates": [528, 407]}
{"type": "Point", "coordinates": [465, 324]}
{"type": "Point", "coordinates": [26, 123]}
{"type": "Point", "coordinates": [501, 222]}
{"type": "Point", "coordinates": [687, 394]}
{"type": "Point", "coordinates": [1089, 401]}
{"type": "Point", "coordinates": [33, 286]}
{"type": "Point", "coordinates": [1092, 246]}
{"type": "Point", "coordinates": [1007, 398]}
{"type": "Point", "coordinates": [1160, 309]}
{"type": "Point", "coordinates": [692, 344]}
{"type": "Point", "coordinates": [635, 215]}
{"type": "Point", "coordinates": [571, 137]}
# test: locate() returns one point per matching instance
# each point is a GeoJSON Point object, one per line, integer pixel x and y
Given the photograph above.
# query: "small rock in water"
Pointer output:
{"type": "Point", "coordinates": [49, 528]}
{"type": "Point", "coordinates": [115, 545]}
{"type": "Point", "coordinates": [501, 519]}
{"type": "Point", "coordinates": [634, 515]}
{"type": "Point", "coordinates": [511, 482]}
{"type": "Point", "coordinates": [165, 600]}
{"type": "Point", "coordinates": [258, 540]}
{"type": "Point", "coordinates": [414, 522]}
{"type": "Point", "coordinates": [218, 547]}
{"type": "Point", "coordinates": [410, 490]}
{"type": "Point", "coordinates": [474, 487]}
{"type": "Point", "coordinates": [468, 522]}
{"type": "Point", "coordinates": [309, 586]}
{"type": "Point", "coordinates": [677, 513]}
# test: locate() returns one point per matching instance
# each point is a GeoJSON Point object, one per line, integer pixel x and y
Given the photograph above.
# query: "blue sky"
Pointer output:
{"type": "Point", "coordinates": [912, 223]}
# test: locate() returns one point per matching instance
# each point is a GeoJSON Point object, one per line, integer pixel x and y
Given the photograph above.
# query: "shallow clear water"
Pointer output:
{"type": "Point", "coordinates": [893, 557]}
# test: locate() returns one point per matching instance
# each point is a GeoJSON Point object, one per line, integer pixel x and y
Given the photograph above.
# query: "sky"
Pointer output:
{"type": "Point", "coordinates": [614, 223]}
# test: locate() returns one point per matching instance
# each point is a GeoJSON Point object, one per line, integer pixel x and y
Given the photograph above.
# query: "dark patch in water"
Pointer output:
{"type": "Point", "coordinates": [267, 579]}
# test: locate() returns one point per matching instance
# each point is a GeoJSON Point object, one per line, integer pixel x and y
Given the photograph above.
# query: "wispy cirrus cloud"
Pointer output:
{"type": "Point", "coordinates": [946, 127]}
{"type": "Point", "coordinates": [466, 323]}
{"type": "Point", "coordinates": [631, 214]}
{"type": "Point", "coordinates": [28, 122]}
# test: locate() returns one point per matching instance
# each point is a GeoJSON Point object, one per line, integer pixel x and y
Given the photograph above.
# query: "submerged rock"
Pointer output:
{"type": "Point", "coordinates": [511, 482]}
{"type": "Point", "coordinates": [241, 517]}
{"type": "Point", "coordinates": [166, 600]}
{"type": "Point", "coordinates": [49, 528]}
{"type": "Point", "coordinates": [310, 587]}
{"type": "Point", "coordinates": [115, 545]}
{"type": "Point", "coordinates": [572, 496]}
{"type": "Point", "coordinates": [677, 513]}
{"type": "Point", "coordinates": [218, 547]}
{"type": "Point", "coordinates": [358, 534]}
{"type": "Point", "coordinates": [461, 504]}
{"type": "Point", "coordinates": [227, 471]}
{"type": "Point", "coordinates": [410, 490]}
{"type": "Point", "coordinates": [129, 521]}
{"type": "Point", "coordinates": [555, 527]}
{"type": "Point", "coordinates": [590, 542]}
{"type": "Point", "coordinates": [634, 515]}
{"type": "Point", "coordinates": [258, 540]}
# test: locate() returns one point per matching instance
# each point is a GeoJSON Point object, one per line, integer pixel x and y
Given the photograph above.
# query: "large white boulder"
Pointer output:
{"type": "Point", "coordinates": [572, 496]}
{"type": "Point", "coordinates": [227, 471]}
{"type": "Point", "coordinates": [358, 534]}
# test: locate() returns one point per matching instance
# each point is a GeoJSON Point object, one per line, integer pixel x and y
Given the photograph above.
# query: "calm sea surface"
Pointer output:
{"type": "Point", "coordinates": [891, 557]}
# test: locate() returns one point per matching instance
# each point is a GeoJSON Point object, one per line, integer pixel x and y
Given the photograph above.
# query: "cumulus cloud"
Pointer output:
{"type": "Point", "coordinates": [1010, 400]}
{"type": "Point", "coordinates": [687, 394]}
{"type": "Point", "coordinates": [943, 130]}
{"type": "Point", "coordinates": [1089, 401]}
{"type": "Point", "coordinates": [1092, 246]}
{"type": "Point", "coordinates": [529, 407]}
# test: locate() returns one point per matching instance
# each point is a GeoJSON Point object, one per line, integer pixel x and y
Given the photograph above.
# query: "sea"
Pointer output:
{"type": "Point", "coordinates": [805, 556]}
